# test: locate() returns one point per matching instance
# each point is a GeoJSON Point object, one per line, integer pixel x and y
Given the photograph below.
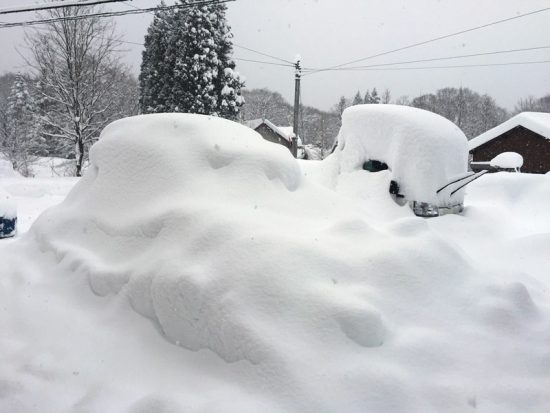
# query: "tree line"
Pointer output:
{"type": "Point", "coordinates": [474, 113]}
{"type": "Point", "coordinates": [76, 85]}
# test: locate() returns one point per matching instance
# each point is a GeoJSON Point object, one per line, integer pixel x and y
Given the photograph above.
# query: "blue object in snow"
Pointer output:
{"type": "Point", "coordinates": [7, 227]}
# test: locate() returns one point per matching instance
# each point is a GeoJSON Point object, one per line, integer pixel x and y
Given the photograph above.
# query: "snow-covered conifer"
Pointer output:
{"type": "Point", "coordinates": [156, 76]}
{"type": "Point", "coordinates": [357, 100]}
{"type": "Point", "coordinates": [187, 64]}
{"type": "Point", "coordinates": [20, 135]}
{"type": "Point", "coordinates": [374, 98]}
{"type": "Point", "coordinates": [367, 98]}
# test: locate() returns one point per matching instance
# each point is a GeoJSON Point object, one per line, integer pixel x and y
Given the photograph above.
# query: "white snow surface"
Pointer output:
{"type": "Point", "coordinates": [8, 207]}
{"type": "Point", "coordinates": [508, 160]}
{"type": "Point", "coordinates": [198, 268]}
{"type": "Point", "coordinates": [289, 132]}
{"type": "Point", "coordinates": [537, 122]}
{"type": "Point", "coordinates": [424, 151]}
{"type": "Point", "coordinates": [50, 167]}
{"type": "Point", "coordinates": [6, 169]}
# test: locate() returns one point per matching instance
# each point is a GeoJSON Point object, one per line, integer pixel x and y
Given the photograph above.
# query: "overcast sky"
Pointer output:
{"type": "Point", "coordinates": [331, 32]}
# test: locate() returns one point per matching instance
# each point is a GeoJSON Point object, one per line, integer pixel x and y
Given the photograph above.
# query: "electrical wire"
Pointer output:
{"type": "Point", "coordinates": [110, 14]}
{"type": "Point", "coordinates": [382, 66]}
{"type": "Point", "coordinates": [57, 5]}
{"type": "Point", "coordinates": [288, 62]}
{"type": "Point", "coordinates": [377, 69]}
{"type": "Point", "coordinates": [264, 54]}
{"type": "Point", "coordinates": [519, 16]}
{"type": "Point", "coordinates": [434, 59]}
{"type": "Point", "coordinates": [263, 62]}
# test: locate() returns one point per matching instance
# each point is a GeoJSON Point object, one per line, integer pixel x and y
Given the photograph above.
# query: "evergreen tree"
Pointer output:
{"type": "Point", "coordinates": [357, 100]}
{"type": "Point", "coordinates": [187, 65]}
{"type": "Point", "coordinates": [374, 98]}
{"type": "Point", "coordinates": [20, 131]}
{"type": "Point", "coordinates": [156, 77]}
{"type": "Point", "coordinates": [367, 97]}
{"type": "Point", "coordinates": [342, 104]}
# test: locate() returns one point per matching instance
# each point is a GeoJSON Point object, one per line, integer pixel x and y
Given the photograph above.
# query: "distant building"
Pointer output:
{"type": "Point", "coordinates": [270, 132]}
{"type": "Point", "coordinates": [282, 135]}
{"type": "Point", "coordinates": [527, 134]}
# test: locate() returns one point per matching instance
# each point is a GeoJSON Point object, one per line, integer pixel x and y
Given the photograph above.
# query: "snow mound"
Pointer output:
{"type": "Point", "coordinates": [6, 169]}
{"type": "Point", "coordinates": [194, 219]}
{"type": "Point", "coordinates": [147, 209]}
{"type": "Point", "coordinates": [423, 151]}
{"type": "Point", "coordinates": [508, 160]}
{"type": "Point", "coordinates": [269, 290]}
{"type": "Point", "coordinates": [8, 206]}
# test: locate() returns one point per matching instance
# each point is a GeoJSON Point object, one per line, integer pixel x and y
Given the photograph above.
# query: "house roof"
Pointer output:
{"type": "Point", "coordinates": [287, 130]}
{"type": "Point", "coordinates": [256, 123]}
{"type": "Point", "coordinates": [535, 121]}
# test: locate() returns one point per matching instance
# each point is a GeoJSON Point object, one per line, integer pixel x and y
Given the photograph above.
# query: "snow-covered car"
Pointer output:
{"type": "Point", "coordinates": [8, 215]}
{"type": "Point", "coordinates": [425, 154]}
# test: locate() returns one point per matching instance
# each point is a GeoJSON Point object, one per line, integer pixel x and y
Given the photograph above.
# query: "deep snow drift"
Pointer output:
{"type": "Point", "coordinates": [264, 290]}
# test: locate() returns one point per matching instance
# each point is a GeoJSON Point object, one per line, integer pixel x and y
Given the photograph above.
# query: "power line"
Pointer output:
{"type": "Point", "coordinates": [519, 16]}
{"type": "Point", "coordinates": [377, 69]}
{"type": "Point", "coordinates": [288, 62]}
{"type": "Point", "coordinates": [127, 42]}
{"type": "Point", "coordinates": [263, 62]}
{"type": "Point", "coordinates": [382, 66]}
{"type": "Point", "coordinates": [263, 54]}
{"type": "Point", "coordinates": [434, 59]}
{"type": "Point", "coordinates": [56, 5]}
{"type": "Point", "coordinates": [111, 14]}
{"type": "Point", "coordinates": [285, 64]}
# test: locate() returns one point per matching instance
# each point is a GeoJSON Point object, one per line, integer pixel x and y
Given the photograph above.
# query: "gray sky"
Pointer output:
{"type": "Point", "coordinates": [331, 32]}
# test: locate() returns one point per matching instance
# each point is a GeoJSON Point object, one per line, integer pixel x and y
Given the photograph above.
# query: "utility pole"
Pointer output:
{"type": "Point", "coordinates": [297, 78]}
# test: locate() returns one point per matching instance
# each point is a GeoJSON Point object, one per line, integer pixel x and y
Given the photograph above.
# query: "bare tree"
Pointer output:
{"type": "Point", "coordinates": [403, 101]}
{"type": "Point", "coordinates": [528, 104]}
{"type": "Point", "coordinates": [266, 104]}
{"type": "Point", "coordinates": [386, 96]}
{"type": "Point", "coordinates": [76, 63]}
{"type": "Point", "coordinates": [471, 112]}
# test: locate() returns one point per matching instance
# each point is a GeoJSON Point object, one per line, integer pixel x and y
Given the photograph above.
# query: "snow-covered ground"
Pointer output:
{"type": "Point", "coordinates": [198, 268]}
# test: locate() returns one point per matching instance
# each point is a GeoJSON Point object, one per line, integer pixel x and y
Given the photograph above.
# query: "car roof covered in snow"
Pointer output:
{"type": "Point", "coordinates": [422, 149]}
{"type": "Point", "coordinates": [534, 121]}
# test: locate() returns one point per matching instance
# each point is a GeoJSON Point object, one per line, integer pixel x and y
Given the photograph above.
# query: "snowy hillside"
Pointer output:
{"type": "Point", "coordinates": [199, 268]}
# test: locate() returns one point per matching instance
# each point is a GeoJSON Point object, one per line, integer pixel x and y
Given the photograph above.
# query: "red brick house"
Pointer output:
{"type": "Point", "coordinates": [527, 134]}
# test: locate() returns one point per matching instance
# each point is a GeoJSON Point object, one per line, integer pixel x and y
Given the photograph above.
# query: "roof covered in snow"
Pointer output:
{"type": "Point", "coordinates": [283, 132]}
{"type": "Point", "coordinates": [534, 121]}
{"type": "Point", "coordinates": [288, 131]}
